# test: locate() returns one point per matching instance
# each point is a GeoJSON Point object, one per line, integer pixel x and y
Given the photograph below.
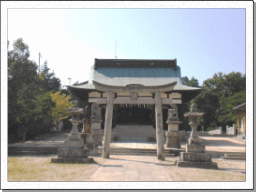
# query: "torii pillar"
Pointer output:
{"type": "Point", "coordinates": [108, 124]}
{"type": "Point", "coordinates": [159, 126]}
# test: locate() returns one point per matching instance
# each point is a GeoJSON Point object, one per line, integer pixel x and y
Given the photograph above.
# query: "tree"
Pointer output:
{"type": "Point", "coordinates": [208, 103]}
{"type": "Point", "coordinates": [20, 51]}
{"type": "Point", "coordinates": [225, 85]}
{"type": "Point", "coordinates": [48, 81]}
{"type": "Point", "coordinates": [225, 112]}
{"type": "Point", "coordinates": [185, 80]}
{"type": "Point", "coordinates": [30, 104]}
{"type": "Point", "coordinates": [217, 93]}
{"type": "Point", "coordinates": [61, 103]}
{"type": "Point", "coordinates": [22, 88]}
{"type": "Point", "coordinates": [193, 82]}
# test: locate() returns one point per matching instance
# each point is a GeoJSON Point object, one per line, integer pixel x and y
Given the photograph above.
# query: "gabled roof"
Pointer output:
{"type": "Point", "coordinates": [151, 82]}
{"type": "Point", "coordinates": [123, 72]}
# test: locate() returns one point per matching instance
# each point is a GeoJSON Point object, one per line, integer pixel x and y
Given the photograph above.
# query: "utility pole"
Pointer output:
{"type": "Point", "coordinates": [39, 62]}
{"type": "Point", "coordinates": [116, 50]}
{"type": "Point", "coordinates": [69, 80]}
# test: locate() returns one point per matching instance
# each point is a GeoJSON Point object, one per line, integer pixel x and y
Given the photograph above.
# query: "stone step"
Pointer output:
{"type": "Point", "coordinates": [133, 133]}
{"type": "Point", "coordinates": [138, 151]}
{"type": "Point", "coordinates": [134, 139]}
{"type": "Point", "coordinates": [139, 130]}
{"type": "Point", "coordinates": [235, 156]}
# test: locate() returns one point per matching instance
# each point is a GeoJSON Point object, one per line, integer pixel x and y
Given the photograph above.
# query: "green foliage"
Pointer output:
{"type": "Point", "coordinates": [207, 103]}
{"type": "Point", "coordinates": [226, 113]}
{"type": "Point", "coordinates": [47, 79]}
{"type": "Point", "coordinates": [30, 104]}
{"type": "Point", "coordinates": [193, 82]}
{"type": "Point", "coordinates": [20, 51]}
{"type": "Point", "coordinates": [61, 103]}
{"type": "Point", "coordinates": [218, 97]}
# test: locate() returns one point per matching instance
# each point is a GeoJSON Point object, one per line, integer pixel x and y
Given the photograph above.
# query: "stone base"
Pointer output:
{"type": "Point", "coordinates": [72, 152]}
{"type": "Point", "coordinates": [173, 139]}
{"type": "Point", "coordinates": [72, 155]}
{"type": "Point", "coordinates": [74, 143]}
{"type": "Point", "coordinates": [71, 160]}
{"type": "Point", "coordinates": [97, 135]}
{"type": "Point", "coordinates": [195, 157]}
{"type": "Point", "coordinates": [195, 148]}
{"type": "Point", "coordinates": [93, 149]}
{"type": "Point", "coordinates": [161, 157]}
{"type": "Point", "coordinates": [74, 136]}
{"type": "Point", "coordinates": [206, 165]}
{"type": "Point", "coordinates": [194, 141]}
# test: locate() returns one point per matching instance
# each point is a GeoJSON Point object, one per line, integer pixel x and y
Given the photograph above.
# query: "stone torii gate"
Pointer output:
{"type": "Point", "coordinates": [134, 89]}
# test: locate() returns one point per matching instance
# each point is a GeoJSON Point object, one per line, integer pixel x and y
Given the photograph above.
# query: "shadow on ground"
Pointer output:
{"type": "Point", "coordinates": [220, 143]}
{"type": "Point", "coordinates": [160, 164]}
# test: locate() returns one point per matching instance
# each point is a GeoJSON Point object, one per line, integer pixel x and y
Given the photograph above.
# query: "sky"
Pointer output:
{"type": "Point", "coordinates": [204, 41]}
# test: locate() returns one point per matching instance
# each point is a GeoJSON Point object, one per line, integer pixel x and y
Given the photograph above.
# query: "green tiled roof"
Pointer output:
{"type": "Point", "coordinates": [142, 72]}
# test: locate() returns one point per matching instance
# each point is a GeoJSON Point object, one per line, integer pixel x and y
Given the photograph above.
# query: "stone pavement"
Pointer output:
{"type": "Point", "coordinates": [131, 168]}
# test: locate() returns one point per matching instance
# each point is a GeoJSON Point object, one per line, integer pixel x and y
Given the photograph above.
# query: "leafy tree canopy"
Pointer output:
{"type": "Point", "coordinates": [218, 97]}
{"type": "Point", "coordinates": [226, 113]}
{"type": "Point", "coordinates": [61, 104]}
{"type": "Point", "coordinates": [30, 104]}
{"type": "Point", "coordinates": [48, 80]}
{"type": "Point", "coordinates": [193, 82]}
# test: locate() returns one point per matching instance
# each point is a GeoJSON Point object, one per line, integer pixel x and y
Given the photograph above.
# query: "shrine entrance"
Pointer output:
{"type": "Point", "coordinates": [134, 115]}
{"type": "Point", "coordinates": [133, 123]}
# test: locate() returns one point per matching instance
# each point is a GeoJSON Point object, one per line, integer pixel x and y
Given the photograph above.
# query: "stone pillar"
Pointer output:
{"type": "Point", "coordinates": [194, 136]}
{"type": "Point", "coordinates": [238, 125]}
{"type": "Point", "coordinates": [172, 135]}
{"type": "Point", "coordinates": [97, 132]}
{"type": "Point", "coordinates": [159, 126]}
{"type": "Point", "coordinates": [108, 125]}
{"type": "Point", "coordinates": [96, 120]}
{"type": "Point", "coordinates": [74, 134]}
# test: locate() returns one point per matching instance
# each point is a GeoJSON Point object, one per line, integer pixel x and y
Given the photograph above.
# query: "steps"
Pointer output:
{"type": "Point", "coordinates": [235, 156]}
{"type": "Point", "coordinates": [133, 133]}
{"type": "Point", "coordinates": [146, 152]}
{"type": "Point", "coordinates": [32, 150]}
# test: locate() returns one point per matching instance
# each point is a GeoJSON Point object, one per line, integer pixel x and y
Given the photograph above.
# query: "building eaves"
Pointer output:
{"type": "Point", "coordinates": [240, 107]}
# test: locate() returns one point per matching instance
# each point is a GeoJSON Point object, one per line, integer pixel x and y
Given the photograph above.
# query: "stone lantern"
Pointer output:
{"type": "Point", "coordinates": [73, 150]}
{"type": "Point", "coordinates": [195, 155]}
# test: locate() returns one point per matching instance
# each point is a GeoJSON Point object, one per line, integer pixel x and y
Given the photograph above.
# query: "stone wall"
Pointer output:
{"type": "Point", "coordinates": [216, 131]}
{"type": "Point", "coordinates": [231, 130]}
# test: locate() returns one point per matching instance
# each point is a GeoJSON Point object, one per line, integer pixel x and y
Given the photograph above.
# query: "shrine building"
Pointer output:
{"type": "Point", "coordinates": [134, 97]}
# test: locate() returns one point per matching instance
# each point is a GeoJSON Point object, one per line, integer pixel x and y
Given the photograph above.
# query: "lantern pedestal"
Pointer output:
{"type": "Point", "coordinates": [173, 135]}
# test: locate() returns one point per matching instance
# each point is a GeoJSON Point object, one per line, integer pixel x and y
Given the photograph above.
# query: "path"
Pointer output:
{"type": "Point", "coordinates": [140, 168]}
{"type": "Point", "coordinates": [131, 168]}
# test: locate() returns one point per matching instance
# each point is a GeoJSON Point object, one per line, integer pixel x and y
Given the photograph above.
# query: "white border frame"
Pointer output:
{"type": "Point", "coordinates": [248, 5]}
